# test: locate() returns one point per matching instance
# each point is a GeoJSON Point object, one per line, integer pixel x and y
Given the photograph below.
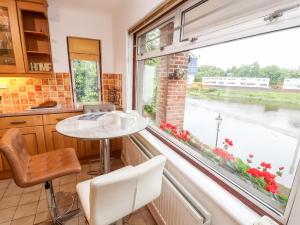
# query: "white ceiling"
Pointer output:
{"type": "Point", "coordinates": [92, 5]}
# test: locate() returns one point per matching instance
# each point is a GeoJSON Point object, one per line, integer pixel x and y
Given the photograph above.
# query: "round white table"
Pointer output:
{"type": "Point", "coordinates": [107, 126]}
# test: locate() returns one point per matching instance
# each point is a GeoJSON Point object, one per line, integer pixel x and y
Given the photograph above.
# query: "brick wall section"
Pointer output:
{"type": "Point", "coordinates": [25, 92]}
{"type": "Point", "coordinates": [112, 85]}
{"type": "Point", "coordinates": [171, 93]}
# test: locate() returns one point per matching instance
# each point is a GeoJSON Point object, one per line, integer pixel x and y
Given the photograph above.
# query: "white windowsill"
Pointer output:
{"type": "Point", "coordinates": [236, 209]}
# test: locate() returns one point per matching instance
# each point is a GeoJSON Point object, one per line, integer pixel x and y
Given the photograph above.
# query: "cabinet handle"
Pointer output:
{"type": "Point", "coordinates": [59, 119]}
{"type": "Point", "coordinates": [17, 122]}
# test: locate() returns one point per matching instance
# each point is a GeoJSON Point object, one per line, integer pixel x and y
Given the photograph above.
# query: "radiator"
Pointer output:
{"type": "Point", "coordinates": [175, 206]}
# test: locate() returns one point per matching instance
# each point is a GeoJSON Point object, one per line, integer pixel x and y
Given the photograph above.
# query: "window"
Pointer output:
{"type": "Point", "coordinates": [84, 56]}
{"type": "Point", "coordinates": [234, 105]}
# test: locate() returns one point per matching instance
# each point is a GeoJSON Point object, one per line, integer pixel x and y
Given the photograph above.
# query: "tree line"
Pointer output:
{"type": "Point", "coordinates": [275, 73]}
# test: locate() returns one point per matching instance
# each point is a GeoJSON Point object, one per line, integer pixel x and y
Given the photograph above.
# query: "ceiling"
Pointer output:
{"type": "Point", "coordinates": [92, 5]}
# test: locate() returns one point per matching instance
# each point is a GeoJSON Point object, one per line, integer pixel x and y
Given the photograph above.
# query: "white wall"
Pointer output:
{"type": "Point", "coordinates": [66, 21]}
{"type": "Point", "coordinates": [125, 16]}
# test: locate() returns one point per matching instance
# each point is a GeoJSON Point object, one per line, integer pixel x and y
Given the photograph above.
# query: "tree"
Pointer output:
{"type": "Point", "coordinates": [209, 71]}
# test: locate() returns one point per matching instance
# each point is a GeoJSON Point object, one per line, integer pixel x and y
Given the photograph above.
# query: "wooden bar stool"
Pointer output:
{"type": "Point", "coordinates": [43, 168]}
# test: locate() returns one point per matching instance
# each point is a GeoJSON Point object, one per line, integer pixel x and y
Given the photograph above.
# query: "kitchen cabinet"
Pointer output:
{"type": "Point", "coordinates": [11, 58]}
{"type": "Point", "coordinates": [24, 38]}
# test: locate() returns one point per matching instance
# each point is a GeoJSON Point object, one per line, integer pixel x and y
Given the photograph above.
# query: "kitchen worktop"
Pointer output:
{"type": "Point", "coordinates": [43, 111]}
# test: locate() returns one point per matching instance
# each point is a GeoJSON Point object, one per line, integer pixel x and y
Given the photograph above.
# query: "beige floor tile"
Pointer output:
{"type": "Point", "coordinates": [26, 210]}
{"type": "Point", "coordinates": [11, 201]}
{"type": "Point", "coordinates": [4, 183]}
{"type": "Point", "coordinates": [42, 206]}
{"type": "Point", "coordinates": [37, 187]}
{"type": "Point", "coordinates": [41, 217]}
{"type": "Point", "coordinates": [6, 223]}
{"type": "Point", "coordinates": [28, 220]}
{"type": "Point", "coordinates": [13, 190]}
{"type": "Point", "coordinates": [2, 190]}
{"type": "Point", "coordinates": [7, 214]}
{"type": "Point", "coordinates": [30, 197]}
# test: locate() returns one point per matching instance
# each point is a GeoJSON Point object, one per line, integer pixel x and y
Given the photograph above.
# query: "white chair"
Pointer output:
{"type": "Point", "coordinates": [108, 198]}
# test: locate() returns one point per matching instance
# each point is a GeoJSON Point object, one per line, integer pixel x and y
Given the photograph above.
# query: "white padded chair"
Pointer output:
{"type": "Point", "coordinates": [108, 198]}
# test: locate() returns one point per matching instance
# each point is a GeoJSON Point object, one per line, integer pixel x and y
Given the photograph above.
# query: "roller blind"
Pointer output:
{"type": "Point", "coordinates": [84, 49]}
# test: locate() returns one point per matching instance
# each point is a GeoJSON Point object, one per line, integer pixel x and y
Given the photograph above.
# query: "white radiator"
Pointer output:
{"type": "Point", "coordinates": [173, 207]}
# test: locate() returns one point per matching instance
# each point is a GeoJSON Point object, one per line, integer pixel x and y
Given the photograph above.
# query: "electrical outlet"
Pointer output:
{"type": "Point", "coordinates": [3, 85]}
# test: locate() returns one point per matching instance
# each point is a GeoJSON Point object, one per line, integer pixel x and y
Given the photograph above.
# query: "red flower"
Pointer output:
{"type": "Point", "coordinates": [272, 188]}
{"type": "Point", "coordinates": [254, 172]}
{"type": "Point", "coordinates": [223, 154]}
{"type": "Point", "coordinates": [251, 156]}
{"type": "Point", "coordinates": [266, 165]}
{"type": "Point", "coordinates": [269, 178]}
{"type": "Point", "coordinates": [228, 142]}
{"type": "Point", "coordinates": [281, 168]}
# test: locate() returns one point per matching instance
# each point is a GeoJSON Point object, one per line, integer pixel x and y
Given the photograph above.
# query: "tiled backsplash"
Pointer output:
{"type": "Point", "coordinates": [112, 88]}
{"type": "Point", "coordinates": [22, 93]}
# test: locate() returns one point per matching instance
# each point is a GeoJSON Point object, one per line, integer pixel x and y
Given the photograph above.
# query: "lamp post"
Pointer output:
{"type": "Point", "coordinates": [219, 121]}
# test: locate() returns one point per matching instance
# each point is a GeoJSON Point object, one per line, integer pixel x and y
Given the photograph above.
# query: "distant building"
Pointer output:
{"type": "Point", "coordinates": [291, 84]}
{"type": "Point", "coordinates": [236, 82]}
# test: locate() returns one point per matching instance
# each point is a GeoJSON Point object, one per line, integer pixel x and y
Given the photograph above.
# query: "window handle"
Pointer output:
{"type": "Point", "coordinates": [17, 122]}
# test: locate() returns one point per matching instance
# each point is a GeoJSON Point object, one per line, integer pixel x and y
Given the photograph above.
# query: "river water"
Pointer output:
{"type": "Point", "coordinates": [270, 135]}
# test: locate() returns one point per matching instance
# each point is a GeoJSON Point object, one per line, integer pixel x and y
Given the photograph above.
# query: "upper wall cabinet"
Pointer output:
{"type": "Point", "coordinates": [11, 57]}
{"type": "Point", "coordinates": [32, 31]}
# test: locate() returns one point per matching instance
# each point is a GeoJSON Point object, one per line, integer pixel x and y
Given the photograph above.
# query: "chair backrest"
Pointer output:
{"type": "Point", "coordinates": [13, 147]}
{"type": "Point", "coordinates": [102, 107]}
{"type": "Point", "coordinates": [117, 194]}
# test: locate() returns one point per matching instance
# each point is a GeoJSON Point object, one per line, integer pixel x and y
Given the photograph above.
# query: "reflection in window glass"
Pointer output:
{"type": "Point", "coordinates": [86, 80]}
{"type": "Point", "coordinates": [156, 38]}
{"type": "Point", "coordinates": [237, 105]}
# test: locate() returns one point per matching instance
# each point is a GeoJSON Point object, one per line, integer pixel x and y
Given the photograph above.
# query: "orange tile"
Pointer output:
{"type": "Point", "coordinates": [38, 94]}
{"type": "Point", "coordinates": [59, 75]}
{"type": "Point", "coordinates": [13, 88]}
{"type": "Point", "coordinates": [53, 88]}
{"type": "Point", "coordinates": [17, 108]}
{"type": "Point", "coordinates": [52, 81]}
{"type": "Point", "coordinates": [31, 95]}
{"type": "Point", "coordinates": [12, 82]}
{"type": "Point", "coordinates": [38, 88]}
{"type": "Point", "coordinates": [16, 102]}
{"type": "Point", "coordinates": [23, 101]}
{"type": "Point", "coordinates": [29, 81]}
{"type": "Point", "coordinates": [22, 88]}
{"type": "Point", "coordinates": [31, 101]}
{"type": "Point", "coordinates": [66, 75]}
{"type": "Point", "coordinates": [37, 81]}
{"type": "Point", "coordinates": [53, 94]}
{"type": "Point", "coordinates": [5, 95]}
{"type": "Point", "coordinates": [60, 88]}
{"type": "Point", "coordinates": [59, 81]}
{"type": "Point", "coordinates": [67, 87]}
{"type": "Point", "coordinates": [46, 94]}
{"type": "Point", "coordinates": [22, 94]}
{"type": "Point", "coordinates": [45, 88]}
{"type": "Point", "coordinates": [45, 81]}
{"type": "Point", "coordinates": [61, 94]}
{"type": "Point", "coordinates": [14, 95]}
{"type": "Point", "coordinates": [21, 81]}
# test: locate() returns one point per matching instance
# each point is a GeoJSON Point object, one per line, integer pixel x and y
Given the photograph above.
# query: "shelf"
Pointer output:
{"type": "Point", "coordinates": [37, 33]}
{"type": "Point", "coordinates": [38, 52]}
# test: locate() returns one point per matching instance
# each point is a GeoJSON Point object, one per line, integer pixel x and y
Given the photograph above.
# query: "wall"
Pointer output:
{"type": "Point", "coordinates": [126, 15]}
{"type": "Point", "coordinates": [66, 21]}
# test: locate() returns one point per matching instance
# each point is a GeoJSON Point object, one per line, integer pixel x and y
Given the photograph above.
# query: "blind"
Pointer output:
{"type": "Point", "coordinates": [84, 48]}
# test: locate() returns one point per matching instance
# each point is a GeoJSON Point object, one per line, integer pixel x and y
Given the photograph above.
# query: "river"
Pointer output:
{"type": "Point", "coordinates": [270, 135]}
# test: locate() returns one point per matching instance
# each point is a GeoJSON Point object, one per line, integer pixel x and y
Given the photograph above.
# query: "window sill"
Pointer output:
{"type": "Point", "coordinates": [231, 205]}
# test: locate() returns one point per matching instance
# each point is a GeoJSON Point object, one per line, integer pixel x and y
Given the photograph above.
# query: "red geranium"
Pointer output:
{"type": "Point", "coordinates": [266, 165]}
{"type": "Point", "coordinates": [272, 188]}
{"type": "Point", "coordinates": [223, 154]}
{"type": "Point", "coordinates": [254, 172]}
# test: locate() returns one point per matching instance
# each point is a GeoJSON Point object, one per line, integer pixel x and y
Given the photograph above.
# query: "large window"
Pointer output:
{"type": "Point", "coordinates": [84, 56]}
{"type": "Point", "coordinates": [235, 106]}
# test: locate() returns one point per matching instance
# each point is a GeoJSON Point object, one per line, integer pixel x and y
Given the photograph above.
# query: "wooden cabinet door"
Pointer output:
{"type": "Point", "coordinates": [34, 140]}
{"type": "Point", "coordinates": [11, 57]}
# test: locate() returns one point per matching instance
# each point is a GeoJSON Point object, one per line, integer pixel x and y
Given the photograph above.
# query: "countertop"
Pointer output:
{"type": "Point", "coordinates": [42, 112]}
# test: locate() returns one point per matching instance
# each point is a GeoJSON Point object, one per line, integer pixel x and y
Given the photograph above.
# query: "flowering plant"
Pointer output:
{"type": "Point", "coordinates": [182, 135]}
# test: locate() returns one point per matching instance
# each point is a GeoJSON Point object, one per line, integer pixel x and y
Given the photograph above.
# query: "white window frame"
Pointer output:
{"type": "Point", "coordinates": [179, 46]}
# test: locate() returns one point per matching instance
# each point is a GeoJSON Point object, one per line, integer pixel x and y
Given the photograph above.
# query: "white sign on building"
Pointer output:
{"type": "Point", "coordinates": [236, 82]}
{"type": "Point", "coordinates": [291, 84]}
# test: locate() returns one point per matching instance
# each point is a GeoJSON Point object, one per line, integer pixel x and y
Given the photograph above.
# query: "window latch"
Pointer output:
{"type": "Point", "coordinates": [279, 13]}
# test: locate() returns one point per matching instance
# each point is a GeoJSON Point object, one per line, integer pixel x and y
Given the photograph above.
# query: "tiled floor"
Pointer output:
{"type": "Point", "coordinates": [28, 206]}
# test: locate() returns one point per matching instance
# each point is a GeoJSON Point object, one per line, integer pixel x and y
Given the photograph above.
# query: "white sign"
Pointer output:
{"type": "Point", "coordinates": [291, 84]}
{"type": "Point", "coordinates": [236, 82]}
